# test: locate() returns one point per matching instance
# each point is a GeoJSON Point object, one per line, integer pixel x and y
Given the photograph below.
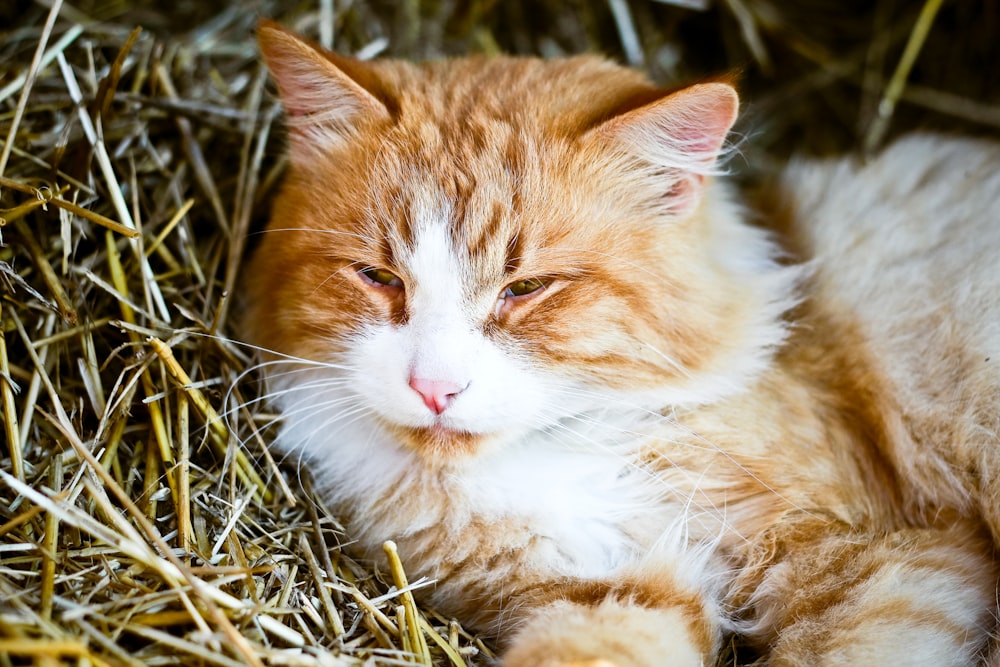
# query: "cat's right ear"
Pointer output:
{"type": "Point", "coordinates": [682, 134]}
{"type": "Point", "coordinates": [326, 96]}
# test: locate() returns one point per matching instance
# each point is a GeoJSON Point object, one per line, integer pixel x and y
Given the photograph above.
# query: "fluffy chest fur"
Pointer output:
{"type": "Point", "coordinates": [514, 323]}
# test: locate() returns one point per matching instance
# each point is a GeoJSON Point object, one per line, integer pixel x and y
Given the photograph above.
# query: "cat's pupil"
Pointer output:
{"type": "Point", "coordinates": [381, 276]}
{"type": "Point", "coordinates": [524, 287]}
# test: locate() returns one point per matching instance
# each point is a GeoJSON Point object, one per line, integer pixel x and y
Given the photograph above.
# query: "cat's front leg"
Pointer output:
{"type": "Point", "coordinates": [648, 620]}
{"type": "Point", "coordinates": [913, 597]}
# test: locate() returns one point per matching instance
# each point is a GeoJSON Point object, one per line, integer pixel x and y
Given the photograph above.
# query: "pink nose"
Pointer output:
{"type": "Point", "coordinates": [437, 394]}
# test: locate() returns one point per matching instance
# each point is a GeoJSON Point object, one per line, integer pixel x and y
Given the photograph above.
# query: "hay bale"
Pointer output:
{"type": "Point", "coordinates": [142, 520]}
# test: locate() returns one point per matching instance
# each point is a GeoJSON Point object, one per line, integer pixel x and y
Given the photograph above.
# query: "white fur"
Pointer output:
{"type": "Point", "coordinates": [580, 501]}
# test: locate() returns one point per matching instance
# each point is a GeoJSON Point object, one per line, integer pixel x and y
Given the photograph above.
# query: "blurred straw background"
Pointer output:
{"type": "Point", "coordinates": [142, 521]}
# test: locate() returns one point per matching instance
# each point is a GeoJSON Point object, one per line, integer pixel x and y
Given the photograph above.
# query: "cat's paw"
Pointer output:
{"type": "Point", "coordinates": [607, 635]}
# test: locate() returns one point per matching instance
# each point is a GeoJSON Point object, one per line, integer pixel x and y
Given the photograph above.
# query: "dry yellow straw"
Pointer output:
{"type": "Point", "coordinates": [413, 634]}
{"type": "Point", "coordinates": [41, 199]}
{"type": "Point", "coordinates": [22, 101]}
{"type": "Point", "coordinates": [9, 408]}
{"type": "Point", "coordinates": [212, 419]}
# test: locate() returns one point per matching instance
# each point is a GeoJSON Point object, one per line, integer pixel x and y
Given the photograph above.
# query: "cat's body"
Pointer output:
{"type": "Point", "coordinates": [533, 341]}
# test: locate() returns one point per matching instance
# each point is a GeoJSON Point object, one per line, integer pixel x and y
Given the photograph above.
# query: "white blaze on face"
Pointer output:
{"type": "Point", "coordinates": [443, 336]}
{"type": "Point", "coordinates": [438, 368]}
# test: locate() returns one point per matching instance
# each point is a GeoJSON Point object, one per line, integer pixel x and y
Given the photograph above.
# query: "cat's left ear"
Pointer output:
{"type": "Point", "coordinates": [681, 135]}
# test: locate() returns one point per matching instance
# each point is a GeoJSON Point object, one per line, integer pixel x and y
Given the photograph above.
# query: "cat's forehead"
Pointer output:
{"type": "Point", "coordinates": [483, 117]}
{"type": "Point", "coordinates": [459, 149]}
{"type": "Point", "coordinates": [473, 187]}
{"type": "Point", "coordinates": [467, 231]}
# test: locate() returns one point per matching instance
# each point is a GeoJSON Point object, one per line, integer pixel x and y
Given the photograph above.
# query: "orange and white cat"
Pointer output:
{"type": "Point", "coordinates": [518, 325]}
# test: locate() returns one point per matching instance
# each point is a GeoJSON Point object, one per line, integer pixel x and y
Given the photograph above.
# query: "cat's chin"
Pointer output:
{"type": "Point", "coordinates": [439, 442]}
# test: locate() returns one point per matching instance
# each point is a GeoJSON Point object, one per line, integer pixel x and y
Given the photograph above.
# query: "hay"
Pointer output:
{"type": "Point", "coordinates": [142, 520]}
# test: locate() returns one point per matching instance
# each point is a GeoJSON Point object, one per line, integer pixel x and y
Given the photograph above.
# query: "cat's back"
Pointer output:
{"type": "Point", "coordinates": [906, 251]}
{"type": "Point", "coordinates": [910, 238]}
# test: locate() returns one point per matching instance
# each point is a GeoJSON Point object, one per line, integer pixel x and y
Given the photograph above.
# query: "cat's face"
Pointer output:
{"type": "Point", "coordinates": [474, 249]}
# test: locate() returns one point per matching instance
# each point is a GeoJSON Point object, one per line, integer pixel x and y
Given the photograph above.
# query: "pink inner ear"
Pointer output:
{"type": "Point", "coordinates": [680, 134]}
{"type": "Point", "coordinates": [684, 130]}
{"type": "Point", "coordinates": [702, 116]}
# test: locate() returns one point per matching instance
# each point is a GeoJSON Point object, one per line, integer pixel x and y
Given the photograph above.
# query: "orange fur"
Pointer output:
{"type": "Point", "coordinates": [678, 437]}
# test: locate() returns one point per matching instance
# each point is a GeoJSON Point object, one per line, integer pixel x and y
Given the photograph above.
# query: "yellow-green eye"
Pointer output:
{"type": "Point", "coordinates": [525, 287]}
{"type": "Point", "coordinates": [380, 277]}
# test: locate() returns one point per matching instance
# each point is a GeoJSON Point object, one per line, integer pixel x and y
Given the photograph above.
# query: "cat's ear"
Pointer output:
{"type": "Point", "coordinates": [326, 96]}
{"type": "Point", "coordinates": [681, 135]}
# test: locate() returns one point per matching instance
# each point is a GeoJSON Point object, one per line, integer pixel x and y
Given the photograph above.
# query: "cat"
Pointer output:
{"type": "Point", "coordinates": [519, 322]}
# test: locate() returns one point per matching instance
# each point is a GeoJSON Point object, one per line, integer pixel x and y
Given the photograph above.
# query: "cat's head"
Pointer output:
{"type": "Point", "coordinates": [476, 248]}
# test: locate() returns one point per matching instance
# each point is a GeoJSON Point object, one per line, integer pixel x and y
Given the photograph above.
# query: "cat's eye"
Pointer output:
{"type": "Point", "coordinates": [377, 276]}
{"type": "Point", "coordinates": [525, 287]}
